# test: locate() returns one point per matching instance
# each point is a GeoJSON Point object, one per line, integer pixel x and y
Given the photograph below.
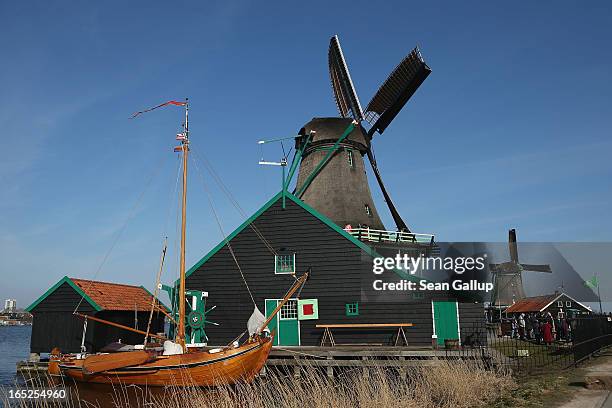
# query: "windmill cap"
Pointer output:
{"type": "Point", "coordinates": [329, 130]}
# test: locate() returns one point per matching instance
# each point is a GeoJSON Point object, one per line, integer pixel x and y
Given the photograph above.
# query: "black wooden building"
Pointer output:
{"type": "Point", "coordinates": [55, 325]}
{"type": "Point", "coordinates": [285, 236]}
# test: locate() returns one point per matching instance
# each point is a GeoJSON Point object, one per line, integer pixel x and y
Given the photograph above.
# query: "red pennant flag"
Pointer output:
{"type": "Point", "coordinates": [176, 103]}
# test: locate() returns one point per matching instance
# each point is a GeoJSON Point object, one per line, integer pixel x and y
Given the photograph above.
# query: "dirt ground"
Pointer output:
{"type": "Point", "coordinates": [588, 386]}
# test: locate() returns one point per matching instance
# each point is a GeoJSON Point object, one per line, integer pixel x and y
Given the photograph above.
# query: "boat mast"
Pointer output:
{"type": "Point", "coordinates": [180, 336]}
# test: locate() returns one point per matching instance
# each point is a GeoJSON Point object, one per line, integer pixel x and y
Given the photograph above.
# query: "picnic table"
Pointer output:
{"type": "Point", "coordinates": [328, 335]}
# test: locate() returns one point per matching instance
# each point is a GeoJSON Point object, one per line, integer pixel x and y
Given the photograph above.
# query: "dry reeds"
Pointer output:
{"type": "Point", "coordinates": [456, 384]}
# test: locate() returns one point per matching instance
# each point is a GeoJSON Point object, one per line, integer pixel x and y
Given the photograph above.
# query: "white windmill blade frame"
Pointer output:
{"type": "Point", "coordinates": [342, 83]}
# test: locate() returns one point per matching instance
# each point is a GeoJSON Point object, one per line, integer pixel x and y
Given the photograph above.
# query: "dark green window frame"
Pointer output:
{"type": "Point", "coordinates": [351, 309]}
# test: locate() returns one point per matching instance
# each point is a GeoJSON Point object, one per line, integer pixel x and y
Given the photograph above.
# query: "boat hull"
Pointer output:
{"type": "Point", "coordinates": [200, 368]}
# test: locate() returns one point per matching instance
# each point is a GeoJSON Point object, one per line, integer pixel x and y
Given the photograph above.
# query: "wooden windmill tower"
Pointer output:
{"type": "Point", "coordinates": [508, 278]}
{"type": "Point", "coordinates": [332, 176]}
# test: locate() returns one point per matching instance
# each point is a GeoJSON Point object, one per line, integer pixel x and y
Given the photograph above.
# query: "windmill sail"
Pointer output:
{"type": "Point", "coordinates": [342, 84]}
{"type": "Point", "coordinates": [512, 247]}
{"type": "Point", "coordinates": [536, 268]}
{"type": "Point", "coordinates": [397, 89]}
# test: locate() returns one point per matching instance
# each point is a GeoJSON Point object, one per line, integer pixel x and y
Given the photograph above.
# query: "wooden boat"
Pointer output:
{"type": "Point", "coordinates": [199, 368]}
{"type": "Point", "coordinates": [222, 366]}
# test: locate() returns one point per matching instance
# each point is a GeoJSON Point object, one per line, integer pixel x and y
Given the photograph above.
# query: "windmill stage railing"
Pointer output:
{"type": "Point", "coordinates": [374, 235]}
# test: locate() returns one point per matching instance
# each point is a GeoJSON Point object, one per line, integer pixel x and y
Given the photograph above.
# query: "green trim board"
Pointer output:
{"type": "Point", "coordinates": [69, 281]}
{"type": "Point", "coordinates": [297, 158]}
{"type": "Point", "coordinates": [160, 302]}
{"type": "Point", "coordinates": [235, 232]}
{"type": "Point", "coordinates": [367, 249]}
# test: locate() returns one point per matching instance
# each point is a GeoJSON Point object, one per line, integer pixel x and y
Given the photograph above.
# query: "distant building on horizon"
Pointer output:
{"type": "Point", "coordinates": [560, 305]}
{"type": "Point", "coordinates": [10, 305]}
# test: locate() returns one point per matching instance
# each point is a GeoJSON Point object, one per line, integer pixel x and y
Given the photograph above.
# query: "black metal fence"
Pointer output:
{"type": "Point", "coordinates": [590, 335]}
{"type": "Point", "coordinates": [527, 351]}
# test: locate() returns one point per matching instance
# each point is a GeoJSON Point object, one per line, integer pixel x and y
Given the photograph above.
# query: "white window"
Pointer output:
{"type": "Point", "coordinates": [349, 154]}
{"type": "Point", "coordinates": [559, 303]}
{"type": "Point", "coordinates": [284, 263]}
{"type": "Point", "coordinates": [367, 210]}
{"type": "Point", "coordinates": [568, 303]}
{"type": "Point", "coordinates": [289, 310]}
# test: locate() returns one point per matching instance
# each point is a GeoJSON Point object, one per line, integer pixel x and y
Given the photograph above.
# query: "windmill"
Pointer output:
{"type": "Point", "coordinates": [332, 176]}
{"type": "Point", "coordinates": [507, 276]}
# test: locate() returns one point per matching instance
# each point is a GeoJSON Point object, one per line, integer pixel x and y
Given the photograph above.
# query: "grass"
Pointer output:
{"type": "Point", "coordinates": [448, 384]}
{"type": "Point", "coordinates": [542, 390]}
{"type": "Point", "coordinates": [509, 347]}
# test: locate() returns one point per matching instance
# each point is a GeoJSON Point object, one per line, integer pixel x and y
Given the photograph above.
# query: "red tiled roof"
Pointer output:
{"type": "Point", "coordinates": [115, 296]}
{"type": "Point", "coordinates": [532, 304]}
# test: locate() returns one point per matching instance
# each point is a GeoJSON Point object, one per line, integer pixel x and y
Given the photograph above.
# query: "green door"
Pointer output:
{"type": "Point", "coordinates": [273, 326]}
{"type": "Point", "coordinates": [446, 324]}
{"type": "Point", "coordinates": [285, 322]}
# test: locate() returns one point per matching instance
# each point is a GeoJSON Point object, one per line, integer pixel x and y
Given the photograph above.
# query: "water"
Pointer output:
{"type": "Point", "coordinates": [14, 347]}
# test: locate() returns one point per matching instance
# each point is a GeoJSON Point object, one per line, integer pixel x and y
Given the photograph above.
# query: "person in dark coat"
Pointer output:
{"type": "Point", "coordinates": [547, 332]}
{"type": "Point", "coordinates": [566, 328]}
{"type": "Point", "coordinates": [537, 335]}
{"type": "Point", "coordinates": [528, 327]}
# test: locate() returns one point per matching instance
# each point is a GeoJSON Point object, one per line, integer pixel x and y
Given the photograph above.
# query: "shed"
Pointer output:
{"type": "Point", "coordinates": [55, 325]}
{"type": "Point", "coordinates": [558, 304]}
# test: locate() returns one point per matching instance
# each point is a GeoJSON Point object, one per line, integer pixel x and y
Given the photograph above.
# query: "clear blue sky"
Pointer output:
{"type": "Point", "coordinates": [512, 128]}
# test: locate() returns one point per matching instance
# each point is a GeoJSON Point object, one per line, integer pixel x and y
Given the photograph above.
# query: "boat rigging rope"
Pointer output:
{"type": "Point", "coordinates": [171, 200]}
{"type": "Point", "coordinates": [123, 227]}
{"type": "Point", "coordinates": [299, 353]}
{"type": "Point", "coordinates": [173, 194]}
{"type": "Point", "coordinates": [156, 290]}
{"type": "Point", "coordinates": [83, 348]}
{"type": "Point", "coordinates": [233, 200]}
{"type": "Point", "coordinates": [227, 243]}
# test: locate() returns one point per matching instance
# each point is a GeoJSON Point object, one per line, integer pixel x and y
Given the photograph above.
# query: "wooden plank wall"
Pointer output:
{"type": "Point", "coordinates": [54, 325]}
{"type": "Point", "coordinates": [337, 268]}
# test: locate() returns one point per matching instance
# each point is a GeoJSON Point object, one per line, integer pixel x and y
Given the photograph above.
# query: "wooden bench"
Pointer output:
{"type": "Point", "coordinates": [328, 336]}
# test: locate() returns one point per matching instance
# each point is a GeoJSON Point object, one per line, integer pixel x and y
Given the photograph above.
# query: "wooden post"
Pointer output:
{"type": "Point", "coordinates": [330, 368]}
